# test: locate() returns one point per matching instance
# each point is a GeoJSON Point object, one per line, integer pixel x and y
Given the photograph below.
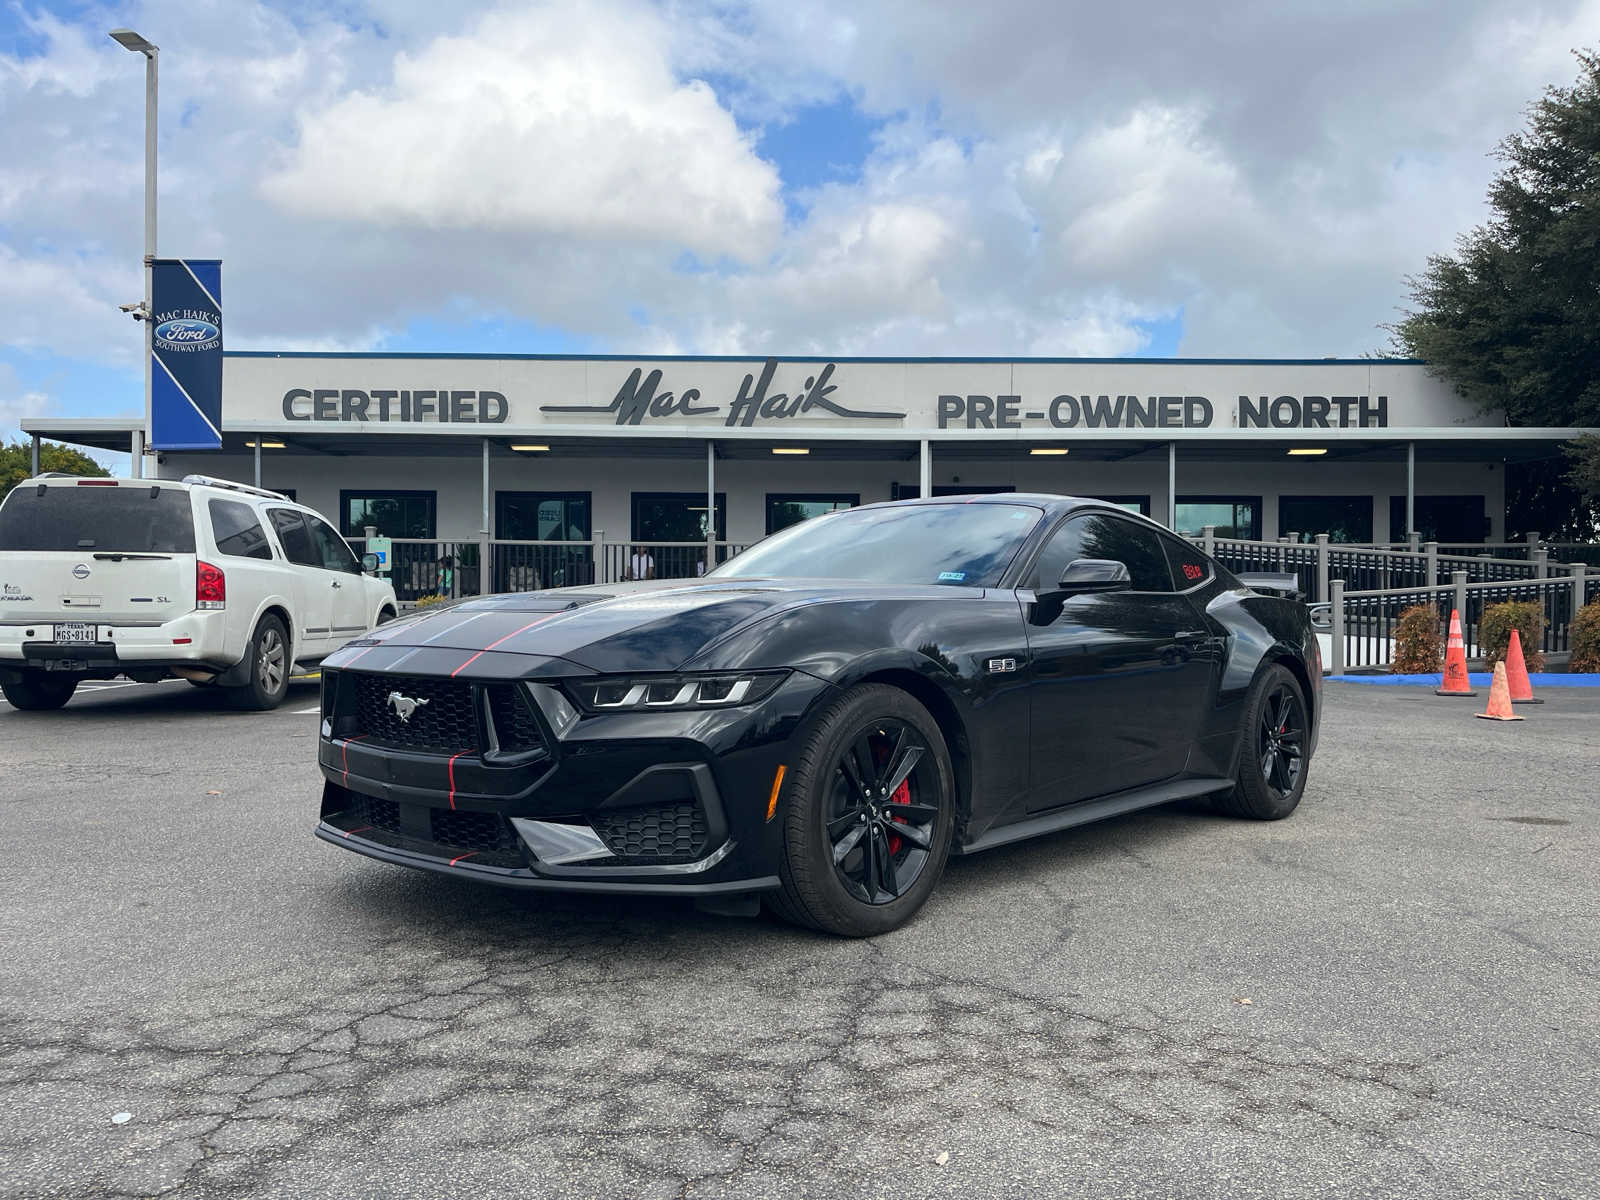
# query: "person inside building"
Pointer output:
{"type": "Point", "coordinates": [641, 565]}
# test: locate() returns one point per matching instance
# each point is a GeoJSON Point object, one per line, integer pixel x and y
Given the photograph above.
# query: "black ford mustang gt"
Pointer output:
{"type": "Point", "coordinates": [823, 720]}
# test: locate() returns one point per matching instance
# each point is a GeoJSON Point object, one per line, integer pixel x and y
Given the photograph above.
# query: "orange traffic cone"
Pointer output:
{"type": "Point", "coordinates": [1517, 673]}
{"type": "Point", "coordinates": [1499, 698]}
{"type": "Point", "coordinates": [1455, 681]}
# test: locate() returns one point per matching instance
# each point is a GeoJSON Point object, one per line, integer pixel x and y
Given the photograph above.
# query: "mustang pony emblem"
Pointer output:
{"type": "Point", "coordinates": [404, 706]}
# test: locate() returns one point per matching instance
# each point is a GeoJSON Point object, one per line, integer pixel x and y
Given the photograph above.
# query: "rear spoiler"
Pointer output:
{"type": "Point", "coordinates": [1273, 583]}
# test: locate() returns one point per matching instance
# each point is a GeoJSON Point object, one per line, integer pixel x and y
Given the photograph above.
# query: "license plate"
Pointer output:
{"type": "Point", "coordinates": [75, 631]}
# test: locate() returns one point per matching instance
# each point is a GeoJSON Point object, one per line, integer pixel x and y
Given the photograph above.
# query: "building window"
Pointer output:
{"type": "Point", "coordinates": [1448, 519]}
{"type": "Point", "coordinates": [542, 516]}
{"type": "Point", "coordinates": [1342, 518]}
{"type": "Point", "coordinates": [676, 516]}
{"type": "Point", "coordinates": [1138, 504]}
{"type": "Point", "coordinates": [789, 508]}
{"type": "Point", "coordinates": [393, 514]}
{"type": "Point", "coordinates": [913, 491]}
{"type": "Point", "coordinates": [1234, 516]}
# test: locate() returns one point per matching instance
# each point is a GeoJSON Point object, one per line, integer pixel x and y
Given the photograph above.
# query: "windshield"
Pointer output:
{"type": "Point", "coordinates": [965, 545]}
{"type": "Point", "coordinates": [138, 519]}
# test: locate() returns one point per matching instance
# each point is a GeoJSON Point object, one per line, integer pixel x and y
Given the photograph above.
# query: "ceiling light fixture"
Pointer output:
{"type": "Point", "coordinates": [1052, 450]}
{"type": "Point", "coordinates": [791, 450]}
{"type": "Point", "coordinates": [528, 446]}
{"type": "Point", "coordinates": [266, 445]}
{"type": "Point", "coordinates": [1307, 451]}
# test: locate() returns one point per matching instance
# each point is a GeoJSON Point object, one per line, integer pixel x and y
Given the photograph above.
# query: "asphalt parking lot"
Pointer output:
{"type": "Point", "coordinates": [1395, 992]}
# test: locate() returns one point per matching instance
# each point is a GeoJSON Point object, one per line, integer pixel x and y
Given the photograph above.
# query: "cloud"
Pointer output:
{"type": "Point", "coordinates": [17, 402]}
{"type": "Point", "coordinates": [1043, 178]}
{"type": "Point", "coordinates": [565, 120]}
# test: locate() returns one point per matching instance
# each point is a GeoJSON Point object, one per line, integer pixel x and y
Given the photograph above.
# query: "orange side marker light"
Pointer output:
{"type": "Point", "coordinates": [777, 786]}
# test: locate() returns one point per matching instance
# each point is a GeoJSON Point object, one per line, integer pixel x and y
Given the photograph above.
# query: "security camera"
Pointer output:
{"type": "Point", "coordinates": [135, 310]}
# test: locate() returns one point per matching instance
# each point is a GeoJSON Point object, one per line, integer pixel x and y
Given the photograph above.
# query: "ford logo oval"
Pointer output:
{"type": "Point", "coordinates": [188, 332]}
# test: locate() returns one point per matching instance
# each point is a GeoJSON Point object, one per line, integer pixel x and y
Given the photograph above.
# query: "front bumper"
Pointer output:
{"type": "Point", "coordinates": [643, 802]}
{"type": "Point", "coordinates": [194, 639]}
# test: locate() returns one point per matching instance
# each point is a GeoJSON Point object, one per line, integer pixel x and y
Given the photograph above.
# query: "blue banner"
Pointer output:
{"type": "Point", "coordinates": [186, 353]}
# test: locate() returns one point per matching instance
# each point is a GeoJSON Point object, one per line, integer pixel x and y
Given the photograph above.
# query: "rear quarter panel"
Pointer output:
{"type": "Point", "coordinates": [1261, 630]}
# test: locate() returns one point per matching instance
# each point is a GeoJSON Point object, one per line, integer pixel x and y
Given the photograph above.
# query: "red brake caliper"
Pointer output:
{"type": "Point", "coordinates": [901, 795]}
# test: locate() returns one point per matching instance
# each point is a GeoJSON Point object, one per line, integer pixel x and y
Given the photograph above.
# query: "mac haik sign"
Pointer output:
{"type": "Point", "coordinates": [186, 354]}
{"type": "Point", "coordinates": [887, 397]}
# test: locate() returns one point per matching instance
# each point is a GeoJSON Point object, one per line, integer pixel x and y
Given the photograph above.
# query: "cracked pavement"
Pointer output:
{"type": "Point", "coordinates": [1419, 947]}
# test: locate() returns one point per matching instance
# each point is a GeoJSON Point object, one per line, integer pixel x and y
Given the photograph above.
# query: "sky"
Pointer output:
{"type": "Point", "coordinates": [839, 177]}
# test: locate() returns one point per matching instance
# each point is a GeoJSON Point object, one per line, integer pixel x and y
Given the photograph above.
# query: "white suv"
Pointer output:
{"type": "Point", "coordinates": [213, 582]}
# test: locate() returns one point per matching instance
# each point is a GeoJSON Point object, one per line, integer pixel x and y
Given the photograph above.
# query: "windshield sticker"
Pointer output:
{"type": "Point", "coordinates": [952, 576]}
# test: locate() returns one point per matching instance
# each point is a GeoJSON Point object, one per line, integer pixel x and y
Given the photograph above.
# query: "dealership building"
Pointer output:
{"type": "Point", "coordinates": [551, 448]}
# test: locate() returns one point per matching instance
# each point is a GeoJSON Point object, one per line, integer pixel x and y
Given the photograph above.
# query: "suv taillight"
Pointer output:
{"type": "Point", "coordinates": [210, 586]}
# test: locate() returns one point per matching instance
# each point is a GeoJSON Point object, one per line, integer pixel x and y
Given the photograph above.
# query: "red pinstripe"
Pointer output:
{"type": "Point", "coordinates": [492, 645]}
{"type": "Point", "coordinates": [344, 750]}
{"type": "Point", "coordinates": [457, 859]}
{"type": "Point", "coordinates": [452, 768]}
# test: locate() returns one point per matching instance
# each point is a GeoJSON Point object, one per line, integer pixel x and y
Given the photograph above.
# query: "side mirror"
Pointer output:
{"type": "Point", "coordinates": [1085, 575]}
{"type": "Point", "coordinates": [369, 563]}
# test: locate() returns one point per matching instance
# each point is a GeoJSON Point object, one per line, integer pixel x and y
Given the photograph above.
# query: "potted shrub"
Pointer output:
{"type": "Point", "coordinates": [1586, 639]}
{"type": "Point", "coordinates": [1418, 642]}
{"type": "Point", "coordinates": [1496, 624]}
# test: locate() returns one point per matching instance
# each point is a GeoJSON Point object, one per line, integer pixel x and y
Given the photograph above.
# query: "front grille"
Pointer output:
{"type": "Point", "coordinates": [488, 834]}
{"type": "Point", "coordinates": [656, 833]}
{"type": "Point", "coordinates": [515, 726]}
{"type": "Point", "coordinates": [372, 813]}
{"type": "Point", "coordinates": [443, 718]}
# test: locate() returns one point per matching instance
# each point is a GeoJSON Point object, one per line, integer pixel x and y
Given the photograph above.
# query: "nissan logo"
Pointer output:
{"type": "Point", "coordinates": [81, 571]}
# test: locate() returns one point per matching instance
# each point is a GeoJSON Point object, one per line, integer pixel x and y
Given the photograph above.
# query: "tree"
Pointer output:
{"type": "Point", "coordinates": [1512, 318]}
{"type": "Point", "coordinates": [16, 463]}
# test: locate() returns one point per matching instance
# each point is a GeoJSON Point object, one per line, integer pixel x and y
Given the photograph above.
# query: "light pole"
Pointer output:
{"type": "Point", "coordinates": [129, 40]}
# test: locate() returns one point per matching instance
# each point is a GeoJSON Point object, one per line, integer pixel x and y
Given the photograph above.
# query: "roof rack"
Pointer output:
{"type": "Point", "coordinates": [229, 485]}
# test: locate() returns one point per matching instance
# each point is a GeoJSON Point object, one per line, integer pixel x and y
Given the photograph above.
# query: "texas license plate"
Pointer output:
{"type": "Point", "coordinates": [75, 631]}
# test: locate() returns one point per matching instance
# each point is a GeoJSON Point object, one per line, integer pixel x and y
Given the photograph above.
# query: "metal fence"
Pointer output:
{"type": "Point", "coordinates": [1379, 568]}
{"type": "Point", "coordinates": [1361, 624]}
{"type": "Point", "coordinates": [422, 567]}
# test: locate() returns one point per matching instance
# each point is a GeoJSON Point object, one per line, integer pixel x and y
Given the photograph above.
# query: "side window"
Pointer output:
{"type": "Point", "coordinates": [1123, 541]}
{"type": "Point", "coordinates": [1064, 546]}
{"type": "Point", "coordinates": [237, 531]}
{"type": "Point", "coordinates": [296, 540]}
{"type": "Point", "coordinates": [1190, 567]}
{"type": "Point", "coordinates": [334, 555]}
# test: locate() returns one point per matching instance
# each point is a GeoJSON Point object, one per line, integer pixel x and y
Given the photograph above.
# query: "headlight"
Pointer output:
{"type": "Point", "coordinates": [620, 693]}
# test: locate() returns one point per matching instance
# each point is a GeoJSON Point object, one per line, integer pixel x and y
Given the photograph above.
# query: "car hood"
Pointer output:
{"type": "Point", "coordinates": [652, 625]}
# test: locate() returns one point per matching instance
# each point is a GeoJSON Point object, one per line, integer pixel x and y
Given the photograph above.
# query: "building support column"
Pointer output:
{"type": "Point", "coordinates": [258, 460]}
{"type": "Point", "coordinates": [1411, 489]}
{"type": "Point", "coordinates": [33, 459]}
{"type": "Point", "coordinates": [711, 504]}
{"type": "Point", "coordinates": [925, 469]}
{"type": "Point", "coordinates": [136, 448]}
{"type": "Point", "coordinates": [1172, 486]}
{"type": "Point", "coordinates": [485, 565]}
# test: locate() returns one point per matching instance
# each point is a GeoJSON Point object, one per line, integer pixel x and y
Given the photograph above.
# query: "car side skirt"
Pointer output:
{"type": "Point", "coordinates": [1090, 811]}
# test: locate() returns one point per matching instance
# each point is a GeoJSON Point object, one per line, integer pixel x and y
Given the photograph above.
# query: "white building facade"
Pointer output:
{"type": "Point", "coordinates": [465, 448]}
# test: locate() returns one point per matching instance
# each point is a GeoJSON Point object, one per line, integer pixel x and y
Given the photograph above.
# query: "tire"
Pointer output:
{"type": "Point", "coordinates": [270, 664]}
{"type": "Point", "coordinates": [385, 615]}
{"type": "Point", "coordinates": [37, 691]}
{"type": "Point", "coordinates": [887, 870]}
{"type": "Point", "coordinates": [1273, 740]}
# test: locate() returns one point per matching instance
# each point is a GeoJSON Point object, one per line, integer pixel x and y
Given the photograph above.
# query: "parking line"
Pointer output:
{"type": "Point", "coordinates": [300, 712]}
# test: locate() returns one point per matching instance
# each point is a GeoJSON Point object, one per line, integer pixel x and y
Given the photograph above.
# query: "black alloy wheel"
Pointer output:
{"type": "Point", "coordinates": [1274, 745]}
{"type": "Point", "coordinates": [880, 829]}
{"type": "Point", "coordinates": [869, 812]}
{"type": "Point", "coordinates": [1281, 740]}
